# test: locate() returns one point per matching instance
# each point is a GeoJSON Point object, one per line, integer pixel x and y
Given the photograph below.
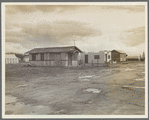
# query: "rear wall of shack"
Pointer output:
{"type": "Point", "coordinates": [115, 56]}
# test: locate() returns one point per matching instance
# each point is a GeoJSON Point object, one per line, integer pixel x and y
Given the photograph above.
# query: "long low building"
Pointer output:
{"type": "Point", "coordinates": [132, 58]}
{"type": "Point", "coordinates": [54, 56]}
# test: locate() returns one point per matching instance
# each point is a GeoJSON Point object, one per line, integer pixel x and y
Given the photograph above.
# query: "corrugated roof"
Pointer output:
{"type": "Point", "coordinates": [119, 51]}
{"type": "Point", "coordinates": [55, 49]}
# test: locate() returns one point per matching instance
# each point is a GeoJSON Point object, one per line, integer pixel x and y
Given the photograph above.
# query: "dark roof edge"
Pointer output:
{"type": "Point", "coordinates": [55, 47]}
{"type": "Point", "coordinates": [77, 48]}
{"type": "Point", "coordinates": [118, 51]}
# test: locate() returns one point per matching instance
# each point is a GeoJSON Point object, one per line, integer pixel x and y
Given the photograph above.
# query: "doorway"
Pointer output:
{"type": "Point", "coordinates": [106, 57]}
{"type": "Point", "coordinates": [69, 59]}
{"type": "Point", "coordinates": [86, 58]}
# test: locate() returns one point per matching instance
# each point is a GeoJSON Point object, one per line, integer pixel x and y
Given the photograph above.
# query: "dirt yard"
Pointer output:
{"type": "Point", "coordinates": [114, 90]}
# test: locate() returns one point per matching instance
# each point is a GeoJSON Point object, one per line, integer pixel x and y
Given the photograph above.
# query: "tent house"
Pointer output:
{"type": "Point", "coordinates": [54, 56]}
{"type": "Point", "coordinates": [11, 59]}
{"type": "Point", "coordinates": [118, 56]}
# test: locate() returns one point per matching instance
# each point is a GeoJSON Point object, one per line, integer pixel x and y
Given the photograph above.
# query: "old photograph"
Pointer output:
{"type": "Point", "coordinates": [74, 60]}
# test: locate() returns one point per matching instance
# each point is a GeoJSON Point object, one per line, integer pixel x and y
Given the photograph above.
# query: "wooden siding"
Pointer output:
{"type": "Point", "coordinates": [43, 63]}
{"type": "Point", "coordinates": [63, 56]}
{"type": "Point", "coordinates": [74, 63]}
{"type": "Point", "coordinates": [53, 59]}
{"type": "Point", "coordinates": [75, 56]}
{"type": "Point", "coordinates": [45, 56]}
{"type": "Point", "coordinates": [38, 56]}
{"type": "Point", "coordinates": [30, 57]}
{"type": "Point", "coordinates": [115, 56]}
{"type": "Point", "coordinates": [123, 57]}
{"type": "Point", "coordinates": [64, 63]}
{"type": "Point", "coordinates": [51, 56]}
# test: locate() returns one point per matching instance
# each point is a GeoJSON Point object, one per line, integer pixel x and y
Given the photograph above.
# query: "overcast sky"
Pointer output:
{"type": "Point", "coordinates": [93, 27]}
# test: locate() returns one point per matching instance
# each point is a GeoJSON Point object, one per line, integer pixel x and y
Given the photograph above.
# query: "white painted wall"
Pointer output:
{"type": "Point", "coordinates": [91, 58]}
{"type": "Point", "coordinates": [109, 59]}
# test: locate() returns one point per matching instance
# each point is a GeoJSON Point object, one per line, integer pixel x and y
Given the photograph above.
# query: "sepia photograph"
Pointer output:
{"type": "Point", "coordinates": [74, 60]}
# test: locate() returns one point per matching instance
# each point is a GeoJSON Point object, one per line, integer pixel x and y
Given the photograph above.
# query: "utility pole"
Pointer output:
{"type": "Point", "coordinates": [74, 42]}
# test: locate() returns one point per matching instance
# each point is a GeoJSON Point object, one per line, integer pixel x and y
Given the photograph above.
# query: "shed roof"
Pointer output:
{"type": "Point", "coordinates": [118, 51]}
{"type": "Point", "coordinates": [55, 49]}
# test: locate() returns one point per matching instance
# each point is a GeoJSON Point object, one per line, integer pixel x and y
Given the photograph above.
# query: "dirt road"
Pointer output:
{"type": "Point", "coordinates": [114, 90]}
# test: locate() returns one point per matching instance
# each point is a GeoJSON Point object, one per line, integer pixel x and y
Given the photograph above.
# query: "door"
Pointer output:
{"type": "Point", "coordinates": [86, 58]}
{"type": "Point", "coordinates": [106, 57]}
{"type": "Point", "coordinates": [57, 59]}
{"type": "Point", "coordinates": [70, 59]}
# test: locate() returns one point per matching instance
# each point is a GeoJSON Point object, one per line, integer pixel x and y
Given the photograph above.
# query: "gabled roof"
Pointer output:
{"type": "Point", "coordinates": [118, 51]}
{"type": "Point", "coordinates": [55, 50]}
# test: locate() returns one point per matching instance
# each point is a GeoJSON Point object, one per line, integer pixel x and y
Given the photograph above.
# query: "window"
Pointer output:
{"type": "Point", "coordinates": [108, 56]}
{"type": "Point", "coordinates": [33, 57]}
{"type": "Point", "coordinates": [42, 56]}
{"type": "Point", "coordinates": [96, 56]}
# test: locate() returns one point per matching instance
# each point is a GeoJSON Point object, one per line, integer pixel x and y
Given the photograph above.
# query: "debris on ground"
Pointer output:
{"type": "Point", "coordinates": [27, 64]}
{"type": "Point", "coordinates": [128, 69]}
{"type": "Point", "coordinates": [92, 90]}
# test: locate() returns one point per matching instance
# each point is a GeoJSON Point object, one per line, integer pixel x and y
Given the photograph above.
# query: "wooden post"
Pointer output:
{"type": "Point", "coordinates": [92, 63]}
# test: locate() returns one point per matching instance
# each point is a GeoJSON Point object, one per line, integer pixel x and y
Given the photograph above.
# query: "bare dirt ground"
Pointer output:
{"type": "Point", "coordinates": [114, 90]}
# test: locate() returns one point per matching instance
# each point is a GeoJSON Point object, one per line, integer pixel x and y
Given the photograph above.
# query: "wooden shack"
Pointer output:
{"type": "Point", "coordinates": [54, 56]}
{"type": "Point", "coordinates": [118, 56]}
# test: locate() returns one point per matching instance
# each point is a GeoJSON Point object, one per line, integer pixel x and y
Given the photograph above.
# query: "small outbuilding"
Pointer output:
{"type": "Point", "coordinates": [54, 56]}
{"type": "Point", "coordinates": [11, 58]}
{"type": "Point", "coordinates": [118, 56]}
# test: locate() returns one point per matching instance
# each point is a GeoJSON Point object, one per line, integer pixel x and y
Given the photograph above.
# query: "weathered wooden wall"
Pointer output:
{"type": "Point", "coordinates": [53, 59]}
{"type": "Point", "coordinates": [115, 56]}
{"type": "Point", "coordinates": [123, 57]}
